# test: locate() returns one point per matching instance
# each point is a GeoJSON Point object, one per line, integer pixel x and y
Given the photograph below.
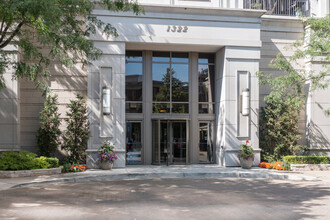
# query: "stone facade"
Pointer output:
{"type": "Point", "coordinates": [10, 109]}
{"type": "Point", "coordinates": [243, 41]}
{"type": "Point", "coordinates": [108, 71]}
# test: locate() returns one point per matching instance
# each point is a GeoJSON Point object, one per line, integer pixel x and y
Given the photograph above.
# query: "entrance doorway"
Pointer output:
{"type": "Point", "coordinates": [170, 141]}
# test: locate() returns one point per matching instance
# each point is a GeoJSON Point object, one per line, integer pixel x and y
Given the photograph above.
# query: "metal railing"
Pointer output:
{"type": "Point", "coordinates": [280, 7]}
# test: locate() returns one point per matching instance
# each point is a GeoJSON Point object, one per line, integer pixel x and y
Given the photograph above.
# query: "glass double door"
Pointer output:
{"type": "Point", "coordinates": [170, 141]}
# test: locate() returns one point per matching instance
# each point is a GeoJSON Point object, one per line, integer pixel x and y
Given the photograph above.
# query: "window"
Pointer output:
{"type": "Point", "coordinates": [170, 81]}
{"type": "Point", "coordinates": [134, 79]}
{"type": "Point", "coordinates": [206, 83]}
{"type": "Point", "coordinates": [133, 143]}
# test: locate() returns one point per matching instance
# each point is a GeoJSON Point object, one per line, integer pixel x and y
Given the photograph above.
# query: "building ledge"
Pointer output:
{"type": "Point", "coordinates": [175, 9]}
{"type": "Point", "coordinates": [205, 10]}
{"type": "Point", "coordinates": [280, 18]}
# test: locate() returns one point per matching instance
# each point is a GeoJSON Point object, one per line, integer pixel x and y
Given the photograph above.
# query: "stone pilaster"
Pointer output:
{"type": "Point", "coordinates": [9, 108]}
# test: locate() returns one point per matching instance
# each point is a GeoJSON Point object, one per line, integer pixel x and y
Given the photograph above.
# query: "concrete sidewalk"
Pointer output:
{"type": "Point", "coordinates": [148, 171]}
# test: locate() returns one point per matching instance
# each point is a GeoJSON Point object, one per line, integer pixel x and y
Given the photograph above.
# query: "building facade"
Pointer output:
{"type": "Point", "coordinates": [181, 81]}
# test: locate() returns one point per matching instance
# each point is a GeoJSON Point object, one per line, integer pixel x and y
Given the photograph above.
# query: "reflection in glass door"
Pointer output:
{"type": "Point", "coordinates": [164, 141]}
{"type": "Point", "coordinates": [178, 142]}
{"type": "Point", "coordinates": [169, 142]}
{"type": "Point", "coordinates": [205, 142]}
{"type": "Point", "coordinates": [133, 143]}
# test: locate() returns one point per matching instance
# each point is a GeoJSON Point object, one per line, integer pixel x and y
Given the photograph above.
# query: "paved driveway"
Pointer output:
{"type": "Point", "coordinates": [188, 198]}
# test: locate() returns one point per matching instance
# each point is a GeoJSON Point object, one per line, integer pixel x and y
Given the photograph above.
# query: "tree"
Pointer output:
{"type": "Point", "coordinates": [63, 27]}
{"type": "Point", "coordinates": [279, 119]}
{"type": "Point", "coordinates": [49, 132]}
{"type": "Point", "coordinates": [77, 134]}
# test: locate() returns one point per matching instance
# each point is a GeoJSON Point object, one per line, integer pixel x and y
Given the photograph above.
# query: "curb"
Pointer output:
{"type": "Point", "coordinates": [29, 173]}
{"type": "Point", "coordinates": [79, 179]}
{"type": "Point", "coordinates": [310, 167]}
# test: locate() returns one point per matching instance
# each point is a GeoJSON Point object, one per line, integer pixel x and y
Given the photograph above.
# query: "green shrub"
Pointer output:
{"type": "Point", "coordinates": [307, 159]}
{"type": "Point", "coordinates": [279, 132]}
{"type": "Point", "coordinates": [76, 136]}
{"type": "Point", "coordinates": [42, 163]}
{"type": "Point", "coordinates": [49, 132]}
{"type": "Point", "coordinates": [66, 167]}
{"type": "Point", "coordinates": [18, 161]}
{"type": "Point", "coordinates": [54, 162]}
{"type": "Point", "coordinates": [24, 160]}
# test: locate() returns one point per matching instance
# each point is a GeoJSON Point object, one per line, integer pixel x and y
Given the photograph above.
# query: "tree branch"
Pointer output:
{"type": "Point", "coordinates": [4, 32]}
{"type": "Point", "coordinates": [13, 34]}
{"type": "Point", "coordinates": [2, 23]}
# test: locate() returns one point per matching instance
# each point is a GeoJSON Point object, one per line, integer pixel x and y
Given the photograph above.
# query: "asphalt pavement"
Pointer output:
{"type": "Point", "coordinates": [170, 198]}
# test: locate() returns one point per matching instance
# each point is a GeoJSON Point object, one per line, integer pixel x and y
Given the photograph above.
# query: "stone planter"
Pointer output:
{"type": "Point", "coordinates": [106, 165]}
{"type": "Point", "coordinates": [246, 163]}
{"type": "Point", "coordinates": [28, 173]}
{"type": "Point", "coordinates": [309, 167]}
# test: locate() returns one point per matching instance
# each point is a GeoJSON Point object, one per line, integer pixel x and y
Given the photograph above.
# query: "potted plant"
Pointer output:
{"type": "Point", "coordinates": [107, 155]}
{"type": "Point", "coordinates": [246, 155]}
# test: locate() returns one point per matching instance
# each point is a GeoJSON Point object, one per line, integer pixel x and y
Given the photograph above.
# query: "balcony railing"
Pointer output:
{"type": "Point", "coordinates": [280, 7]}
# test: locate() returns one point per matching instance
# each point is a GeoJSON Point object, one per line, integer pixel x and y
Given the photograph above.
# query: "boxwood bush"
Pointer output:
{"type": "Point", "coordinates": [307, 159]}
{"type": "Point", "coordinates": [24, 160]}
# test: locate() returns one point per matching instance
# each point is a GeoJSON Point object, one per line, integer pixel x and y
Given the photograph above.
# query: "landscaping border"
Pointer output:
{"type": "Point", "coordinates": [28, 173]}
{"type": "Point", "coordinates": [309, 167]}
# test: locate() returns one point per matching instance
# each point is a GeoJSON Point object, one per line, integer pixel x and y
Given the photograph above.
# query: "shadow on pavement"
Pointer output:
{"type": "Point", "coordinates": [189, 198]}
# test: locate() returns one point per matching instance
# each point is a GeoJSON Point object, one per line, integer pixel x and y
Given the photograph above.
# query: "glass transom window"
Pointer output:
{"type": "Point", "coordinates": [170, 82]}
{"type": "Point", "coordinates": [206, 83]}
{"type": "Point", "coordinates": [133, 81]}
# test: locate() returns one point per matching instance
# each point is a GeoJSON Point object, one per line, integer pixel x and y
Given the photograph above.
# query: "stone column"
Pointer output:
{"type": "Point", "coordinates": [236, 69]}
{"type": "Point", "coordinates": [108, 71]}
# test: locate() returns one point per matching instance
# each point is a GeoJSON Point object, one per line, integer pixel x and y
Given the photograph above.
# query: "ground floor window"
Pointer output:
{"type": "Point", "coordinates": [206, 142]}
{"type": "Point", "coordinates": [133, 142]}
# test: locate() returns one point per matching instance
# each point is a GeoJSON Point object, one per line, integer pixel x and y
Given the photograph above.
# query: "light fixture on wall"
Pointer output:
{"type": "Point", "coordinates": [245, 102]}
{"type": "Point", "coordinates": [106, 100]}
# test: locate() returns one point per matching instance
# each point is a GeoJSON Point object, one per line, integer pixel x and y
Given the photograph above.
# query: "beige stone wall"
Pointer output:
{"type": "Point", "coordinates": [9, 108]}
{"type": "Point", "coordinates": [318, 123]}
{"type": "Point", "coordinates": [277, 34]}
{"type": "Point", "coordinates": [66, 82]}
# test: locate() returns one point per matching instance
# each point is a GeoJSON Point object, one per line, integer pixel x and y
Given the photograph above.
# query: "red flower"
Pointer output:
{"type": "Point", "coordinates": [247, 141]}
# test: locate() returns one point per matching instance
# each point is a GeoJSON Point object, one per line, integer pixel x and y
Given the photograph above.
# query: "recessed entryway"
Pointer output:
{"type": "Point", "coordinates": [169, 107]}
{"type": "Point", "coordinates": [170, 141]}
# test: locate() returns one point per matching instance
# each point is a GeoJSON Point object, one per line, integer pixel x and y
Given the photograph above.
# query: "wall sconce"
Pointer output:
{"type": "Point", "coordinates": [106, 100]}
{"type": "Point", "coordinates": [245, 102]}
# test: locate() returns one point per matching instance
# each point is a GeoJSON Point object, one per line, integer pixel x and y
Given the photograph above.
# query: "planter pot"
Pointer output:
{"type": "Point", "coordinates": [246, 163]}
{"type": "Point", "coordinates": [106, 165]}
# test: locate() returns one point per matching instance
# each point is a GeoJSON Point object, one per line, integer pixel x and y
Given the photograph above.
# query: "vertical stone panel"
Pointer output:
{"type": "Point", "coordinates": [240, 66]}
{"type": "Point", "coordinates": [220, 67]}
{"type": "Point", "coordinates": [106, 122]}
{"type": "Point", "coordinates": [243, 126]}
{"type": "Point", "coordinates": [108, 71]}
{"type": "Point", "coordinates": [10, 109]}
